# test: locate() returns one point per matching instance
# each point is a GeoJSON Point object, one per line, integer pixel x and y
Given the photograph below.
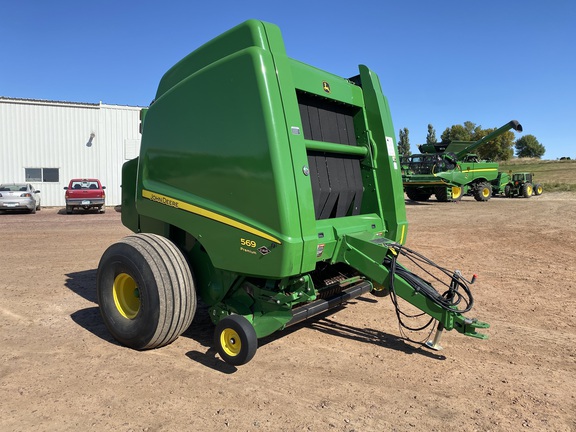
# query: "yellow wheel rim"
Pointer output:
{"type": "Point", "coordinates": [485, 192]}
{"type": "Point", "coordinates": [539, 190]}
{"type": "Point", "coordinates": [230, 342]}
{"type": "Point", "coordinates": [456, 192]}
{"type": "Point", "coordinates": [126, 295]}
{"type": "Point", "coordinates": [529, 190]}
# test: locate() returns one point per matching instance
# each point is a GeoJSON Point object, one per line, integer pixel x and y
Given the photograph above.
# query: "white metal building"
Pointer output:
{"type": "Point", "coordinates": [47, 143]}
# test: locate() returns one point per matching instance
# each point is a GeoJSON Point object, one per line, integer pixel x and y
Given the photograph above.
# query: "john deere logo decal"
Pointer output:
{"type": "Point", "coordinates": [326, 86]}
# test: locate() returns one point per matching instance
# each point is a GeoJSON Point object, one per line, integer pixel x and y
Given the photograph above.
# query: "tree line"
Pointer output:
{"type": "Point", "coordinates": [500, 149]}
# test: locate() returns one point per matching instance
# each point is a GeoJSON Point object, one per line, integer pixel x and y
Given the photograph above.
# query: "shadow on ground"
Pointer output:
{"type": "Point", "coordinates": [83, 283]}
{"type": "Point", "coordinates": [202, 331]}
{"type": "Point", "coordinates": [91, 320]}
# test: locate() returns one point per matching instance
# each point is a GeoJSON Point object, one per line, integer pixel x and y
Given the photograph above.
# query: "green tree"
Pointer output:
{"type": "Point", "coordinates": [463, 132]}
{"type": "Point", "coordinates": [499, 149]}
{"type": "Point", "coordinates": [404, 143]}
{"type": "Point", "coordinates": [528, 146]}
{"type": "Point", "coordinates": [431, 136]}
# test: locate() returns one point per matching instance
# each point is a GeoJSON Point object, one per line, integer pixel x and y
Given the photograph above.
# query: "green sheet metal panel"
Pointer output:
{"type": "Point", "coordinates": [224, 157]}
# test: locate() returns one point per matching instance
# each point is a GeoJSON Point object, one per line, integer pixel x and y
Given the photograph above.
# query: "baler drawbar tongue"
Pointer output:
{"type": "Point", "coordinates": [377, 260]}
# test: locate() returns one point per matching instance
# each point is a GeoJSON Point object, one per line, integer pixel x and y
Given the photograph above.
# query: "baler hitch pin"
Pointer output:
{"type": "Point", "coordinates": [435, 343]}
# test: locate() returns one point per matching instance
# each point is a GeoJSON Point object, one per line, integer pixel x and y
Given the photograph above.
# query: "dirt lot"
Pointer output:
{"type": "Point", "coordinates": [346, 371]}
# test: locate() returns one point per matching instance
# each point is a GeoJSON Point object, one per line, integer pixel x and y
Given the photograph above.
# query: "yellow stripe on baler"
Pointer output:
{"type": "Point", "coordinates": [181, 205]}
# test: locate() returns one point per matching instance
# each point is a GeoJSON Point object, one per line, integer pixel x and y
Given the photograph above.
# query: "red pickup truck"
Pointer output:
{"type": "Point", "coordinates": [85, 194]}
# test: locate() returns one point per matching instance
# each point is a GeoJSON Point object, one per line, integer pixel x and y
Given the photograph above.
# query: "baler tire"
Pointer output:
{"type": "Point", "coordinates": [508, 191]}
{"type": "Point", "coordinates": [145, 291]}
{"type": "Point", "coordinates": [235, 340]}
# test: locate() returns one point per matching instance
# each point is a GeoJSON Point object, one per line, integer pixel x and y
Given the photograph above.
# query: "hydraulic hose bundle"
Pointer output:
{"type": "Point", "coordinates": [457, 297]}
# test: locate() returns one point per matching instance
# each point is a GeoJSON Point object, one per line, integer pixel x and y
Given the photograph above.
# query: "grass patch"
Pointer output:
{"type": "Point", "coordinates": [553, 175]}
{"type": "Point", "coordinates": [558, 187]}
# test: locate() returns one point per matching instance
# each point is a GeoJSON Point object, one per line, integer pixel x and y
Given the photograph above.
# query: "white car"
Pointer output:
{"type": "Point", "coordinates": [19, 196]}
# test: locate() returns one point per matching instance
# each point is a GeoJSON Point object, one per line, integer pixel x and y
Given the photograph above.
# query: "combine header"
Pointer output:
{"type": "Point", "coordinates": [269, 189]}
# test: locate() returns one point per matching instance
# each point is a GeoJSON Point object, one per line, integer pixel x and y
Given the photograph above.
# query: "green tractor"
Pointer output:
{"type": "Point", "coordinates": [520, 184]}
{"type": "Point", "coordinates": [499, 183]}
{"type": "Point", "coordinates": [269, 189]}
{"type": "Point", "coordinates": [450, 169]}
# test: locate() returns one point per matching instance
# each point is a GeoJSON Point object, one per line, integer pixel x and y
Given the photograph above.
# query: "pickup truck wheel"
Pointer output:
{"type": "Point", "coordinates": [235, 340]}
{"type": "Point", "coordinates": [69, 209]}
{"type": "Point", "coordinates": [102, 209]}
{"type": "Point", "coordinates": [145, 291]}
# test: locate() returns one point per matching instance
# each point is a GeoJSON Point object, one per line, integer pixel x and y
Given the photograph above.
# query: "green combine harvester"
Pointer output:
{"type": "Point", "coordinates": [450, 169]}
{"type": "Point", "coordinates": [272, 191]}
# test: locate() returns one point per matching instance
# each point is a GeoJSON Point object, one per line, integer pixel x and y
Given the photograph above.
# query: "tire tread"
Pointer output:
{"type": "Point", "coordinates": [175, 284]}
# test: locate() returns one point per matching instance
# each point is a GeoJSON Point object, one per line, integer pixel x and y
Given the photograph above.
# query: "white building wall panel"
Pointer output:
{"type": "Point", "coordinates": [81, 140]}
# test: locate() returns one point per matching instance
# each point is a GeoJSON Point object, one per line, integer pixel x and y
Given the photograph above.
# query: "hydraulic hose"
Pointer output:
{"type": "Point", "coordinates": [457, 293]}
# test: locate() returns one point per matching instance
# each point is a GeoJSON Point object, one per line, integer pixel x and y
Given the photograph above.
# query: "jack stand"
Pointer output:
{"type": "Point", "coordinates": [435, 343]}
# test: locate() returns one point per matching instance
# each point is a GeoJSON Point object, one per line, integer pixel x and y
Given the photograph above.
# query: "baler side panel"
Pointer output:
{"type": "Point", "coordinates": [130, 218]}
{"type": "Point", "coordinates": [251, 33]}
{"type": "Point", "coordinates": [388, 174]}
{"type": "Point", "coordinates": [290, 120]}
{"type": "Point", "coordinates": [217, 140]}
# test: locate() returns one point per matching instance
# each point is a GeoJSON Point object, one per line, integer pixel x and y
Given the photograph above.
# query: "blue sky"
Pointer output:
{"type": "Point", "coordinates": [441, 62]}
